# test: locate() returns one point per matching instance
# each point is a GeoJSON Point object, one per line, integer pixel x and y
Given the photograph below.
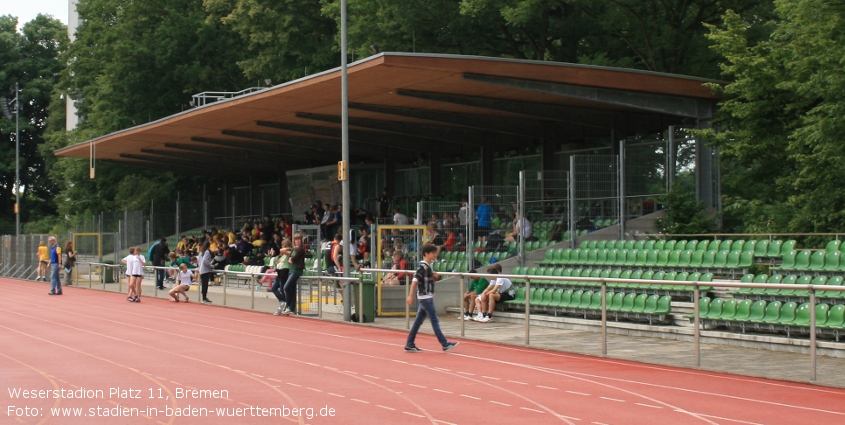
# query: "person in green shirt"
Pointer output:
{"type": "Point", "coordinates": [476, 287]}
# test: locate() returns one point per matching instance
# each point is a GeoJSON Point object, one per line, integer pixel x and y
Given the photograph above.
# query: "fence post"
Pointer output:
{"type": "Point", "coordinates": [360, 310]}
{"type": "Point", "coordinates": [527, 309]}
{"type": "Point", "coordinates": [252, 291]}
{"type": "Point", "coordinates": [697, 327]}
{"type": "Point", "coordinates": [225, 284]}
{"type": "Point", "coordinates": [603, 318]}
{"type": "Point", "coordinates": [407, 307]}
{"type": "Point", "coordinates": [461, 287]}
{"type": "Point", "coordinates": [812, 334]}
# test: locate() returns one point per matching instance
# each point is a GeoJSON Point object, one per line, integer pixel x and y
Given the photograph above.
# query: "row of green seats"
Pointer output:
{"type": "Point", "coordinates": [450, 266]}
{"type": "Point", "coordinates": [812, 261]}
{"type": "Point", "coordinates": [536, 275]}
{"type": "Point", "coordinates": [773, 315]}
{"type": "Point", "coordinates": [551, 299]}
{"type": "Point", "coordinates": [650, 258]}
{"type": "Point", "coordinates": [790, 280]}
{"type": "Point", "coordinates": [761, 248]}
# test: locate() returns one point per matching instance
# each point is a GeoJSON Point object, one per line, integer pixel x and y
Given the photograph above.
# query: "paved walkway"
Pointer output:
{"type": "Point", "coordinates": [714, 357]}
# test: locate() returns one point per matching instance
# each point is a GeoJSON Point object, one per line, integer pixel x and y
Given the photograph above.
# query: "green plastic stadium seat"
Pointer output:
{"type": "Point", "coordinates": [772, 313]}
{"type": "Point", "coordinates": [550, 256]}
{"type": "Point", "coordinates": [660, 245]}
{"type": "Point", "coordinates": [787, 280]}
{"type": "Point", "coordinates": [691, 245]}
{"type": "Point", "coordinates": [834, 281]}
{"type": "Point", "coordinates": [628, 302]}
{"type": "Point", "coordinates": [775, 248]}
{"type": "Point", "coordinates": [696, 259]}
{"type": "Point", "coordinates": [679, 245]}
{"type": "Point", "coordinates": [816, 261]}
{"type": "Point", "coordinates": [639, 245]}
{"type": "Point", "coordinates": [639, 303]}
{"type": "Point", "coordinates": [749, 246]}
{"type": "Point", "coordinates": [724, 245]}
{"type": "Point", "coordinates": [616, 304]}
{"type": "Point", "coordinates": [788, 245]}
{"type": "Point", "coordinates": [566, 298]}
{"type": "Point", "coordinates": [836, 317]}
{"type": "Point", "coordinates": [715, 309]}
{"type": "Point", "coordinates": [733, 260]}
{"type": "Point", "coordinates": [832, 261]}
{"type": "Point", "coordinates": [703, 308]}
{"type": "Point", "coordinates": [738, 245]}
{"type": "Point", "coordinates": [674, 258]}
{"type": "Point", "coordinates": [758, 310]}
{"type": "Point", "coordinates": [601, 244]}
{"type": "Point", "coordinates": [762, 248]}
{"type": "Point", "coordinates": [743, 310]}
{"type": "Point", "coordinates": [629, 244]}
{"type": "Point", "coordinates": [595, 301]}
{"type": "Point", "coordinates": [621, 258]}
{"type": "Point", "coordinates": [787, 313]}
{"type": "Point", "coordinates": [703, 245]}
{"type": "Point", "coordinates": [708, 259]}
{"type": "Point", "coordinates": [651, 304]}
{"type": "Point", "coordinates": [649, 244]}
{"type": "Point", "coordinates": [746, 259]}
{"type": "Point", "coordinates": [664, 305]}
{"type": "Point", "coordinates": [651, 257]}
{"type": "Point", "coordinates": [788, 262]}
{"type": "Point", "coordinates": [802, 315]}
{"type": "Point", "coordinates": [720, 261]}
{"type": "Point", "coordinates": [728, 310]}
{"type": "Point", "coordinates": [519, 297]}
{"type": "Point", "coordinates": [833, 245]}
{"type": "Point", "coordinates": [557, 295]}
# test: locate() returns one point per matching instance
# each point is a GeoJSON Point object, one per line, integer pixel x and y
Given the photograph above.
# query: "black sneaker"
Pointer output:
{"type": "Point", "coordinates": [412, 349]}
{"type": "Point", "coordinates": [450, 345]}
{"type": "Point", "coordinates": [206, 301]}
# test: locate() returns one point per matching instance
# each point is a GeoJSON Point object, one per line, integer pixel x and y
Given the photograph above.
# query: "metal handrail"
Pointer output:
{"type": "Point", "coordinates": [604, 281]}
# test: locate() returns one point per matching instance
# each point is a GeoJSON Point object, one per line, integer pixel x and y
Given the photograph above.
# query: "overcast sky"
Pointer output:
{"type": "Point", "coordinates": [27, 10]}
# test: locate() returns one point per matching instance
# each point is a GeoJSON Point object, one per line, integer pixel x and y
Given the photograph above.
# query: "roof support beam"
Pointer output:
{"type": "Point", "coordinates": [182, 169]}
{"type": "Point", "coordinates": [653, 102]}
{"type": "Point", "coordinates": [263, 162]}
{"type": "Point", "coordinates": [442, 133]}
{"type": "Point", "coordinates": [171, 163]}
{"type": "Point", "coordinates": [271, 152]}
{"type": "Point", "coordinates": [566, 114]}
{"type": "Point", "coordinates": [373, 138]}
{"type": "Point", "coordinates": [325, 146]}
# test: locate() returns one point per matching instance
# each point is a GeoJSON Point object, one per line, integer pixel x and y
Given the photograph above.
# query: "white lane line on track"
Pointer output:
{"type": "Point", "coordinates": [729, 419]}
{"type": "Point", "coordinates": [466, 373]}
{"type": "Point", "coordinates": [418, 386]}
{"type": "Point", "coordinates": [532, 410]}
{"type": "Point", "coordinates": [490, 377]}
{"type": "Point", "coordinates": [295, 385]}
{"type": "Point", "coordinates": [351, 372]}
{"type": "Point", "coordinates": [536, 368]}
{"type": "Point", "coordinates": [441, 368]}
{"type": "Point", "coordinates": [442, 391]}
{"type": "Point", "coordinates": [360, 401]}
{"type": "Point", "coordinates": [517, 382]}
{"type": "Point", "coordinates": [576, 392]}
{"type": "Point", "coordinates": [413, 414]}
{"type": "Point", "coordinates": [599, 423]}
{"type": "Point", "coordinates": [337, 395]}
{"type": "Point", "coordinates": [392, 380]}
{"type": "Point", "coordinates": [500, 403]}
{"type": "Point", "coordinates": [443, 422]}
{"type": "Point", "coordinates": [612, 399]}
{"type": "Point", "coordinates": [548, 388]}
{"type": "Point", "coordinates": [274, 379]}
{"type": "Point", "coordinates": [257, 375]}
{"type": "Point", "coordinates": [469, 396]}
{"type": "Point", "coordinates": [568, 417]}
{"type": "Point", "coordinates": [648, 405]}
{"type": "Point", "coordinates": [371, 376]}
{"type": "Point", "coordinates": [314, 389]}
{"type": "Point", "coordinates": [385, 407]}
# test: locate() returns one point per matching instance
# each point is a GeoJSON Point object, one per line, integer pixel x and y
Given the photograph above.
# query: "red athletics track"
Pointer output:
{"type": "Point", "coordinates": [97, 341]}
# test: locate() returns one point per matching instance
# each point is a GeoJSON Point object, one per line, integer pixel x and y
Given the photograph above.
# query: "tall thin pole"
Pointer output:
{"type": "Point", "coordinates": [17, 161]}
{"type": "Point", "coordinates": [344, 125]}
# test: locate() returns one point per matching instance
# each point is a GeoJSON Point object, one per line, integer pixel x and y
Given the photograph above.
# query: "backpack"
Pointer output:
{"type": "Point", "coordinates": [495, 241]}
{"type": "Point", "coordinates": [150, 251]}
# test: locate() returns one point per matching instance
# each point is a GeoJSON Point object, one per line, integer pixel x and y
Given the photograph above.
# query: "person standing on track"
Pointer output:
{"type": "Point", "coordinates": [70, 262]}
{"type": "Point", "coordinates": [205, 270]}
{"type": "Point", "coordinates": [423, 285]}
{"type": "Point", "coordinates": [158, 255]}
{"type": "Point", "coordinates": [43, 261]}
{"type": "Point", "coordinates": [55, 252]}
{"type": "Point", "coordinates": [282, 267]}
{"type": "Point", "coordinates": [130, 261]}
{"type": "Point", "coordinates": [297, 266]}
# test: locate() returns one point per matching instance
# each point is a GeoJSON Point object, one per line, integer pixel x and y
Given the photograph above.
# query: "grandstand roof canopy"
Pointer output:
{"type": "Point", "coordinates": [403, 105]}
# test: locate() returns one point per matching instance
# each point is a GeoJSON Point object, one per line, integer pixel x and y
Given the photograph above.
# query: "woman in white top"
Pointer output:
{"type": "Point", "coordinates": [138, 273]}
{"type": "Point", "coordinates": [185, 278]}
{"type": "Point", "coordinates": [130, 261]}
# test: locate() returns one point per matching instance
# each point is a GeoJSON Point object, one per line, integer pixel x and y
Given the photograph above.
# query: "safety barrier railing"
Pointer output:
{"type": "Point", "coordinates": [327, 288]}
{"type": "Point", "coordinates": [603, 282]}
{"type": "Point", "coordinates": [327, 285]}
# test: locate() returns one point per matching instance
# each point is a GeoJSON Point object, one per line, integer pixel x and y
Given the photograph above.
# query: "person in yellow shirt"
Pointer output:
{"type": "Point", "coordinates": [43, 260]}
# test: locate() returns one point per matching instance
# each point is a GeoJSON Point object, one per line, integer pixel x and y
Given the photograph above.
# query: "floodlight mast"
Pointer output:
{"type": "Point", "coordinates": [344, 125]}
{"type": "Point", "coordinates": [17, 161]}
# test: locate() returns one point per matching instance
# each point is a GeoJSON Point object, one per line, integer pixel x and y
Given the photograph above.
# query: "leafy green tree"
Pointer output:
{"type": "Point", "coordinates": [283, 37]}
{"type": "Point", "coordinates": [684, 214]}
{"type": "Point", "coordinates": [30, 58]}
{"type": "Point", "coordinates": [657, 35]}
{"type": "Point", "coordinates": [781, 120]}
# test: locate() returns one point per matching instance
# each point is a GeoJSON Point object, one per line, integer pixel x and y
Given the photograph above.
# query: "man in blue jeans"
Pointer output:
{"type": "Point", "coordinates": [55, 256]}
{"type": "Point", "coordinates": [423, 285]}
